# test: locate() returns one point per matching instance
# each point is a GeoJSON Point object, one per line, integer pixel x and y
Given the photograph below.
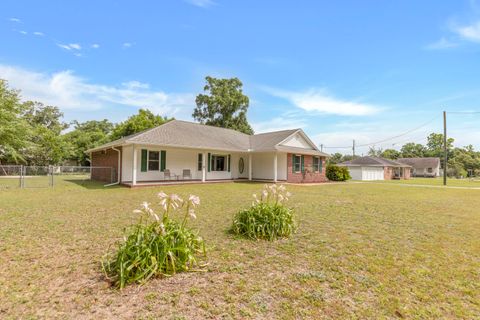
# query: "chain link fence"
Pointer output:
{"type": "Point", "coordinates": [14, 176]}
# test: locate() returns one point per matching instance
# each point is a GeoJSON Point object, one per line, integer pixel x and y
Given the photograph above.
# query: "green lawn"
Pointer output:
{"type": "Point", "coordinates": [361, 251]}
{"type": "Point", "coordinates": [471, 183]}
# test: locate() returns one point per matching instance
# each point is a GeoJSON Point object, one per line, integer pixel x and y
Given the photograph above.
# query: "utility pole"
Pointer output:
{"type": "Point", "coordinates": [321, 147]}
{"type": "Point", "coordinates": [445, 149]}
{"type": "Point", "coordinates": [353, 148]}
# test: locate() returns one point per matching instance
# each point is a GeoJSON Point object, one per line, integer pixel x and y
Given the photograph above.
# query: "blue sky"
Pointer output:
{"type": "Point", "coordinates": [341, 70]}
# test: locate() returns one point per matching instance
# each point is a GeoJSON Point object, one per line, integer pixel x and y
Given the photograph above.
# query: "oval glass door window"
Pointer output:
{"type": "Point", "coordinates": [241, 165]}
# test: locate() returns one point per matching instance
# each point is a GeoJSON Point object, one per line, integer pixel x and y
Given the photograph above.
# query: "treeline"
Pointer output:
{"type": "Point", "coordinates": [32, 133]}
{"type": "Point", "coordinates": [462, 162]}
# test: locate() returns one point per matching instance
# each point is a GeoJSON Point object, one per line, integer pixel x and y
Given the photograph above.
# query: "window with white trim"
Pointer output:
{"type": "Point", "coordinates": [317, 164]}
{"type": "Point", "coordinates": [297, 163]}
{"type": "Point", "coordinates": [153, 160]}
{"type": "Point", "coordinates": [218, 163]}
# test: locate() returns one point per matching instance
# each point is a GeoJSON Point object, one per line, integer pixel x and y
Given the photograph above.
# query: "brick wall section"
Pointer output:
{"type": "Point", "coordinates": [308, 176]}
{"type": "Point", "coordinates": [389, 173]}
{"type": "Point", "coordinates": [108, 158]}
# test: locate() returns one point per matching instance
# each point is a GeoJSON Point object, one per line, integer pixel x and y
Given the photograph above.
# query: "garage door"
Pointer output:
{"type": "Point", "coordinates": [355, 173]}
{"type": "Point", "coordinates": [372, 173]}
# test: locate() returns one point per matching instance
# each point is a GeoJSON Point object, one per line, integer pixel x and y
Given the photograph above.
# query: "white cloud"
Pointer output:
{"type": "Point", "coordinates": [277, 124]}
{"type": "Point", "coordinates": [38, 33]}
{"type": "Point", "coordinates": [95, 46]}
{"type": "Point", "coordinates": [23, 32]}
{"type": "Point", "coordinates": [127, 44]}
{"type": "Point", "coordinates": [15, 20]}
{"type": "Point", "coordinates": [71, 46]}
{"type": "Point", "coordinates": [71, 92]}
{"type": "Point", "coordinates": [318, 100]}
{"type": "Point", "coordinates": [201, 3]}
{"type": "Point", "coordinates": [469, 32]}
{"type": "Point", "coordinates": [443, 43]}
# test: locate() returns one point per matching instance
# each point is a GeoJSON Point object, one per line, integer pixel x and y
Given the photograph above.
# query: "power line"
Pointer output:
{"type": "Point", "coordinates": [387, 139]}
{"type": "Point", "coordinates": [399, 135]}
{"type": "Point", "coordinates": [463, 112]}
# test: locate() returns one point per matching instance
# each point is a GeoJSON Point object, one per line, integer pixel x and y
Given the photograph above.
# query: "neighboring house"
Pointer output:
{"type": "Point", "coordinates": [423, 167]}
{"type": "Point", "coordinates": [180, 150]}
{"type": "Point", "coordinates": [373, 168]}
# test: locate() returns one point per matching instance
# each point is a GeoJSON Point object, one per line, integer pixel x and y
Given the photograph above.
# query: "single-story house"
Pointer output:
{"type": "Point", "coordinates": [423, 167]}
{"type": "Point", "coordinates": [374, 168]}
{"type": "Point", "coordinates": [181, 151]}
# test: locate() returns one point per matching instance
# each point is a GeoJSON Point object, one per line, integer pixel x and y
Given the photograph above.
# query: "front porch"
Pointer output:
{"type": "Point", "coordinates": [195, 181]}
{"type": "Point", "coordinates": [153, 165]}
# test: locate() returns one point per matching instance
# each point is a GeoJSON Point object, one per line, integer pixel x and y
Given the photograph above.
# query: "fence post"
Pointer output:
{"type": "Point", "coordinates": [22, 178]}
{"type": "Point", "coordinates": [52, 170]}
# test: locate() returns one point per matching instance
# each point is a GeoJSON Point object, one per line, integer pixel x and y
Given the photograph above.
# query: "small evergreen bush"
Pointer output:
{"type": "Point", "coordinates": [156, 245]}
{"type": "Point", "coordinates": [268, 218]}
{"type": "Point", "coordinates": [336, 173]}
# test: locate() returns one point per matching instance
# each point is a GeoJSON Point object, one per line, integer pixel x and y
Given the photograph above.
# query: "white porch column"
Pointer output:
{"type": "Point", "coordinates": [250, 166]}
{"type": "Point", "coordinates": [204, 166]}
{"type": "Point", "coordinates": [134, 166]}
{"type": "Point", "coordinates": [275, 161]}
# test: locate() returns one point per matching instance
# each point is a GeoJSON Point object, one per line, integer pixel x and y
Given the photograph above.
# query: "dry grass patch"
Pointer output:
{"type": "Point", "coordinates": [361, 251]}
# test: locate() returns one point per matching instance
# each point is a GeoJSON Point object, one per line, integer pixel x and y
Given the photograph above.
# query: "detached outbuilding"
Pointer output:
{"type": "Point", "coordinates": [423, 167]}
{"type": "Point", "coordinates": [374, 168]}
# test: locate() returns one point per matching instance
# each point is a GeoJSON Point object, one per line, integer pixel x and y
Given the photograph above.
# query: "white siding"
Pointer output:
{"type": "Point", "coordinates": [178, 159]}
{"type": "Point", "coordinates": [372, 173]}
{"type": "Point", "coordinates": [297, 141]}
{"type": "Point", "coordinates": [127, 154]}
{"type": "Point", "coordinates": [282, 166]}
{"type": "Point", "coordinates": [235, 165]}
{"type": "Point", "coordinates": [366, 173]}
{"type": "Point", "coordinates": [355, 173]}
{"type": "Point", "coordinates": [262, 166]}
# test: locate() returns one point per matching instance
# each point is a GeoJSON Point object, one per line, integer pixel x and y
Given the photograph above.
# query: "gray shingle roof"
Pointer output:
{"type": "Point", "coordinates": [177, 133]}
{"type": "Point", "coordinates": [428, 162]}
{"type": "Point", "coordinates": [368, 161]}
{"type": "Point", "coordinates": [267, 141]}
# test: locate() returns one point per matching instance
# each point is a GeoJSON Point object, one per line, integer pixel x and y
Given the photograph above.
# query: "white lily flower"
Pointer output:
{"type": "Point", "coordinates": [162, 195]}
{"type": "Point", "coordinates": [137, 211]}
{"type": "Point", "coordinates": [191, 213]}
{"type": "Point", "coordinates": [194, 200]}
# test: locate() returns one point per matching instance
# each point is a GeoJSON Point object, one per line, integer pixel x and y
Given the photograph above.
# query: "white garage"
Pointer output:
{"type": "Point", "coordinates": [373, 168]}
{"type": "Point", "coordinates": [366, 173]}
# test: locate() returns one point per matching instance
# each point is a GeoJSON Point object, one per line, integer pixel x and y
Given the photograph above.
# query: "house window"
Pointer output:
{"type": "Point", "coordinates": [317, 164]}
{"type": "Point", "coordinates": [218, 163]}
{"type": "Point", "coordinates": [297, 163]}
{"type": "Point", "coordinates": [200, 162]}
{"type": "Point", "coordinates": [430, 170]}
{"type": "Point", "coordinates": [153, 160]}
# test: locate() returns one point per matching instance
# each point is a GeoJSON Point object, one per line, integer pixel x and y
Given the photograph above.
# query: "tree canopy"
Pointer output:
{"type": "Point", "coordinates": [144, 120]}
{"type": "Point", "coordinates": [87, 135]}
{"type": "Point", "coordinates": [224, 105]}
{"type": "Point", "coordinates": [14, 129]}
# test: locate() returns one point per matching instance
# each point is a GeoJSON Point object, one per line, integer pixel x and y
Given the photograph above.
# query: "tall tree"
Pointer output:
{"type": "Point", "coordinates": [435, 145]}
{"type": "Point", "coordinates": [144, 120]}
{"type": "Point", "coordinates": [224, 105]}
{"type": "Point", "coordinates": [375, 152]}
{"type": "Point", "coordinates": [85, 136]}
{"type": "Point", "coordinates": [412, 150]}
{"type": "Point", "coordinates": [48, 145]}
{"type": "Point", "coordinates": [390, 154]}
{"type": "Point", "coordinates": [14, 129]}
